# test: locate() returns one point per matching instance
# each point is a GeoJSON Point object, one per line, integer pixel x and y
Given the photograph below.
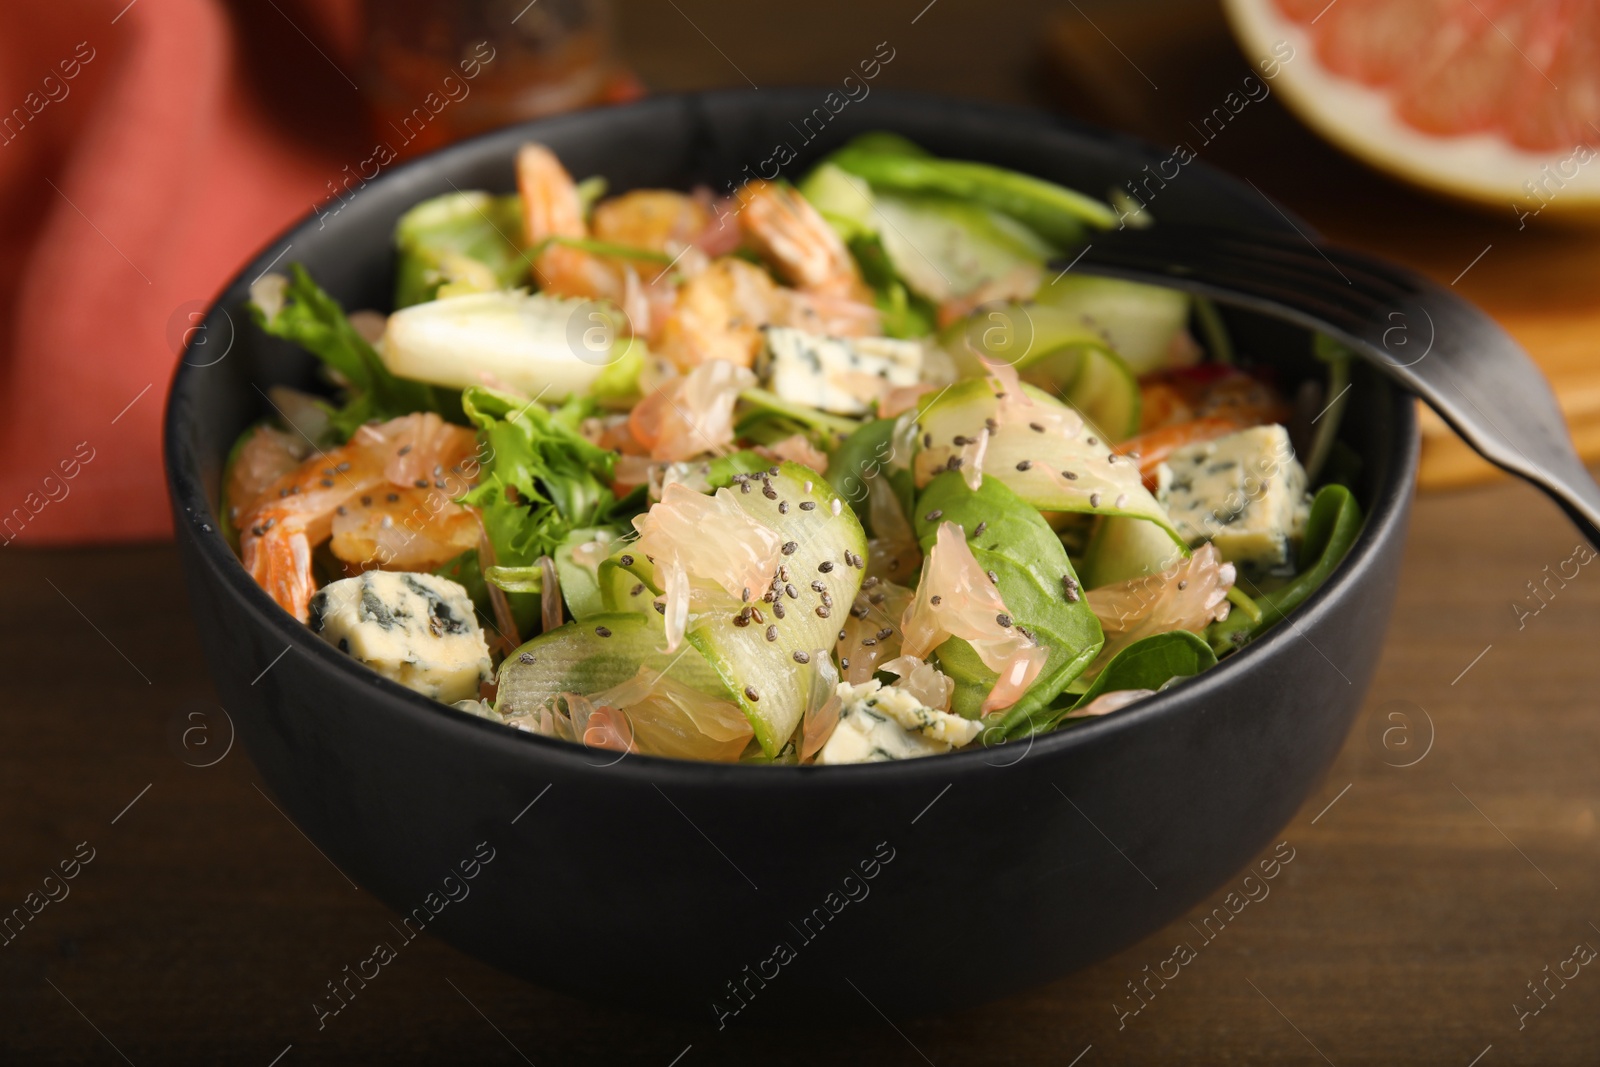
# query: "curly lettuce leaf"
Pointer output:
{"type": "Point", "coordinates": [542, 479]}
{"type": "Point", "coordinates": [296, 309]}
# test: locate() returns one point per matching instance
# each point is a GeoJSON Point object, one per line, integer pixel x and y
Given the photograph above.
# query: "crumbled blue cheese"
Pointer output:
{"type": "Point", "coordinates": [418, 629]}
{"type": "Point", "coordinates": [841, 375]}
{"type": "Point", "coordinates": [883, 722]}
{"type": "Point", "coordinates": [1245, 493]}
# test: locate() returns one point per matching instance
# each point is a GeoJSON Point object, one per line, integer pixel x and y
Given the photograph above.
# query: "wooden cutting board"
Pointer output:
{"type": "Point", "coordinates": [1158, 68]}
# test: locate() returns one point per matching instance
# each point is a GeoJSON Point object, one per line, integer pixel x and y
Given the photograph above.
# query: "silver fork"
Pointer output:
{"type": "Point", "coordinates": [1472, 373]}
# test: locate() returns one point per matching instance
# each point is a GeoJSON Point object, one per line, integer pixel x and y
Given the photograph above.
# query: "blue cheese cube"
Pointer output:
{"type": "Point", "coordinates": [841, 375]}
{"type": "Point", "coordinates": [883, 722]}
{"type": "Point", "coordinates": [418, 629]}
{"type": "Point", "coordinates": [1245, 493]}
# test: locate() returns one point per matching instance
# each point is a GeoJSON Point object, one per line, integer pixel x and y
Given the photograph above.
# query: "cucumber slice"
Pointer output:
{"type": "Point", "coordinates": [1018, 547]}
{"type": "Point", "coordinates": [1015, 333]}
{"type": "Point", "coordinates": [576, 658]}
{"type": "Point", "coordinates": [941, 246]}
{"type": "Point", "coordinates": [625, 584]}
{"type": "Point", "coordinates": [465, 240]}
{"type": "Point", "coordinates": [842, 198]}
{"type": "Point", "coordinates": [829, 549]}
{"type": "Point", "coordinates": [945, 248]}
{"type": "Point", "coordinates": [580, 586]}
{"type": "Point", "coordinates": [1094, 381]}
{"type": "Point", "coordinates": [1026, 460]}
{"type": "Point", "coordinates": [1124, 548]}
{"type": "Point", "coordinates": [1138, 321]}
{"type": "Point", "coordinates": [1061, 351]}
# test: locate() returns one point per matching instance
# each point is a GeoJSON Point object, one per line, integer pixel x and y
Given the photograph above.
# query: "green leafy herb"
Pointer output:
{"type": "Point", "coordinates": [314, 320]}
{"type": "Point", "coordinates": [1148, 663]}
{"type": "Point", "coordinates": [1053, 211]}
{"type": "Point", "coordinates": [542, 479]}
{"type": "Point", "coordinates": [864, 455]}
{"type": "Point", "coordinates": [1019, 547]}
{"type": "Point", "coordinates": [1331, 529]}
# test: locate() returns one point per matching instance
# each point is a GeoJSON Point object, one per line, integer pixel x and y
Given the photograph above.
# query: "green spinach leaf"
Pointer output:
{"type": "Point", "coordinates": [1149, 663]}
{"type": "Point", "coordinates": [1055, 212]}
{"type": "Point", "coordinates": [1331, 528]}
{"type": "Point", "coordinates": [1027, 559]}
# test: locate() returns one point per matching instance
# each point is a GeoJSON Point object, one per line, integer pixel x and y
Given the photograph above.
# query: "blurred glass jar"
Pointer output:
{"type": "Point", "coordinates": [439, 70]}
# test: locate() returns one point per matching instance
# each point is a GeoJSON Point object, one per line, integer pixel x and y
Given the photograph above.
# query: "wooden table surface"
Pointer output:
{"type": "Point", "coordinates": [1422, 899]}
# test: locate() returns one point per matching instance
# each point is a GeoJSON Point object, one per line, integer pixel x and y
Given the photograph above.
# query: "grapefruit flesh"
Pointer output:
{"type": "Point", "coordinates": [1493, 100]}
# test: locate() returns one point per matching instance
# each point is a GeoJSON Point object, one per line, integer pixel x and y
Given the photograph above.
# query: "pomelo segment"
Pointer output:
{"type": "Point", "coordinates": [1495, 101]}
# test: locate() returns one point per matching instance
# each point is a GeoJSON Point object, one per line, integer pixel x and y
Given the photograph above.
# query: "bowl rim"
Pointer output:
{"type": "Point", "coordinates": [1384, 519]}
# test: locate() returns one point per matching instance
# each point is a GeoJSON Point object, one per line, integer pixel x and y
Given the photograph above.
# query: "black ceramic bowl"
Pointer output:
{"type": "Point", "coordinates": [733, 891]}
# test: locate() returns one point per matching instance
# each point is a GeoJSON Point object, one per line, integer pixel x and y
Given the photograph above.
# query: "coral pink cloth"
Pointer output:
{"type": "Point", "coordinates": [143, 158]}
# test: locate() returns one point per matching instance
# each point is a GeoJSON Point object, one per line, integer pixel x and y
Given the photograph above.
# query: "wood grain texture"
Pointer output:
{"type": "Point", "coordinates": [1414, 911]}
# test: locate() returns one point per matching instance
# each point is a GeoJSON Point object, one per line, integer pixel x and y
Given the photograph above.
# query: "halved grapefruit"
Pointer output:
{"type": "Point", "coordinates": [1496, 101]}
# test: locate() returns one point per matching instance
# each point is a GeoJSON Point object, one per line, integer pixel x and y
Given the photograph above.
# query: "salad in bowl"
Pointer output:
{"type": "Point", "coordinates": [846, 470]}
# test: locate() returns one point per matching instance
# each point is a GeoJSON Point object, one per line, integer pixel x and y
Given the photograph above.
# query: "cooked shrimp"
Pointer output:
{"type": "Point", "coordinates": [266, 455]}
{"type": "Point", "coordinates": [719, 315]}
{"type": "Point", "coordinates": [405, 529]}
{"type": "Point", "coordinates": [1208, 391]}
{"type": "Point", "coordinates": [651, 220]}
{"type": "Point", "coordinates": [551, 208]}
{"type": "Point", "coordinates": [791, 235]}
{"type": "Point", "coordinates": [301, 509]}
{"type": "Point", "coordinates": [656, 219]}
{"type": "Point", "coordinates": [1153, 447]}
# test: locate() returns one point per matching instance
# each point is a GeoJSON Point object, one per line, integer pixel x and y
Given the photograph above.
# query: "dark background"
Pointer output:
{"type": "Point", "coordinates": [1416, 909]}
